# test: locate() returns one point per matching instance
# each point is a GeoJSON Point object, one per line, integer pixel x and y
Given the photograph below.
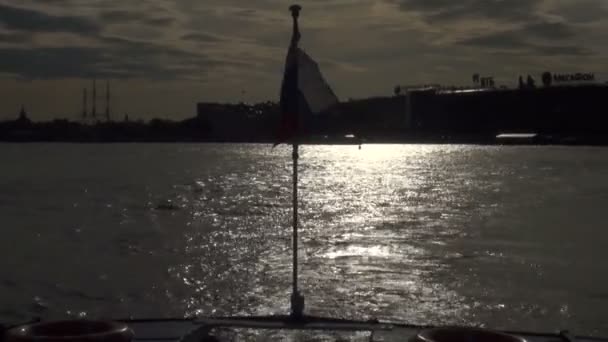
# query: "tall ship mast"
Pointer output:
{"type": "Point", "coordinates": [107, 100]}
{"type": "Point", "coordinates": [94, 109]}
{"type": "Point", "coordinates": [84, 104]}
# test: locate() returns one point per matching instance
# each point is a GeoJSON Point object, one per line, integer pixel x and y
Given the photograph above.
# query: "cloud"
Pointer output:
{"type": "Point", "coordinates": [13, 37]}
{"type": "Point", "coordinates": [537, 38]}
{"type": "Point", "coordinates": [31, 20]}
{"type": "Point", "coordinates": [442, 10]}
{"type": "Point", "coordinates": [329, 64]}
{"type": "Point", "coordinates": [562, 50]}
{"type": "Point", "coordinates": [509, 43]}
{"type": "Point", "coordinates": [522, 36]}
{"type": "Point", "coordinates": [581, 11]}
{"type": "Point", "coordinates": [139, 17]}
{"type": "Point", "coordinates": [201, 37]}
{"type": "Point", "coordinates": [363, 46]}
{"type": "Point", "coordinates": [523, 27]}
{"type": "Point", "coordinates": [128, 58]}
{"type": "Point", "coordinates": [94, 50]}
{"type": "Point", "coordinates": [119, 58]}
{"type": "Point", "coordinates": [548, 30]}
{"type": "Point", "coordinates": [160, 21]}
{"type": "Point", "coordinates": [119, 16]}
{"type": "Point", "coordinates": [49, 62]}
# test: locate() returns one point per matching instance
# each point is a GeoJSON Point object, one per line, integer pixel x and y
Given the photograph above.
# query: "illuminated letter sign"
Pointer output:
{"type": "Point", "coordinates": [578, 77]}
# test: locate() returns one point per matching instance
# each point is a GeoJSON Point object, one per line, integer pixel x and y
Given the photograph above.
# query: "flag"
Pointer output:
{"type": "Point", "coordinates": [304, 94]}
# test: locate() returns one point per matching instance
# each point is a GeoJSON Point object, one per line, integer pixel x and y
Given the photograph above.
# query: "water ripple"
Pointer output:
{"type": "Point", "coordinates": [414, 233]}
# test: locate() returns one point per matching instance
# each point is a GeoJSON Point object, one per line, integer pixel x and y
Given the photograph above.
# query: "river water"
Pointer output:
{"type": "Point", "coordinates": [503, 237]}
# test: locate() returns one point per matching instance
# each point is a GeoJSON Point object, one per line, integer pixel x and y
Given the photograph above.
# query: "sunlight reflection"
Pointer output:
{"type": "Point", "coordinates": [376, 251]}
{"type": "Point", "coordinates": [422, 234]}
{"type": "Point", "coordinates": [375, 153]}
{"type": "Point", "coordinates": [370, 222]}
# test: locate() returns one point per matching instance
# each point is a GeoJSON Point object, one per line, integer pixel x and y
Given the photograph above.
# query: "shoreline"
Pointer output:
{"type": "Point", "coordinates": [421, 141]}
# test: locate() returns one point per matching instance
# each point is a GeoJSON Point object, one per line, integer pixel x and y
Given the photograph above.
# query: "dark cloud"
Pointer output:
{"type": "Point", "coordinates": [438, 10]}
{"type": "Point", "coordinates": [536, 35]}
{"type": "Point", "coordinates": [149, 60]}
{"type": "Point", "coordinates": [565, 50]}
{"type": "Point", "coordinates": [120, 58]}
{"type": "Point", "coordinates": [114, 56]}
{"type": "Point", "coordinates": [246, 12]}
{"type": "Point", "coordinates": [31, 20]}
{"type": "Point", "coordinates": [526, 40]}
{"type": "Point", "coordinates": [16, 37]}
{"type": "Point", "coordinates": [583, 11]}
{"type": "Point", "coordinates": [161, 21]}
{"type": "Point", "coordinates": [117, 16]}
{"type": "Point", "coordinates": [521, 37]}
{"type": "Point", "coordinates": [122, 17]}
{"type": "Point", "coordinates": [201, 37]}
{"type": "Point", "coordinates": [47, 63]}
{"type": "Point", "coordinates": [58, 2]}
{"type": "Point", "coordinates": [500, 40]}
{"type": "Point", "coordinates": [547, 30]}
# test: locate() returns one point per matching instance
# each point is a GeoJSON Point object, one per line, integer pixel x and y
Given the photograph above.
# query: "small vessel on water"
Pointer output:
{"type": "Point", "coordinates": [517, 138]}
{"type": "Point", "coordinates": [297, 326]}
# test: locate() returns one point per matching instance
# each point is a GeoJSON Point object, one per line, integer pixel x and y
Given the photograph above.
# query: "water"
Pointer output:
{"type": "Point", "coordinates": [505, 237]}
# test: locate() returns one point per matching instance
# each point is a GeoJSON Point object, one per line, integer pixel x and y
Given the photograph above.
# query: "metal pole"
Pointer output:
{"type": "Point", "coordinates": [295, 306]}
{"type": "Point", "coordinates": [297, 300]}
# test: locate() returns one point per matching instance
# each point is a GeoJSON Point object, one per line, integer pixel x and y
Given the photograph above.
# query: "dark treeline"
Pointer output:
{"type": "Point", "coordinates": [126, 131]}
{"type": "Point", "coordinates": [570, 115]}
{"type": "Point", "coordinates": [197, 129]}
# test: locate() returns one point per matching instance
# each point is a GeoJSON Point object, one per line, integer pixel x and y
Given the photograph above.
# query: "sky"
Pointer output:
{"type": "Point", "coordinates": [161, 57]}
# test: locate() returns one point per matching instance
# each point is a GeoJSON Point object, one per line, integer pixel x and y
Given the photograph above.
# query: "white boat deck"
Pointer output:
{"type": "Point", "coordinates": [277, 329]}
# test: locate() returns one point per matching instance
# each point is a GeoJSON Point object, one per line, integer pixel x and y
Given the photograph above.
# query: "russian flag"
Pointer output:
{"type": "Point", "coordinates": [304, 93]}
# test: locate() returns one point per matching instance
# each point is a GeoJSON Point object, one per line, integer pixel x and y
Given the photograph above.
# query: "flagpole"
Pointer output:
{"type": "Point", "coordinates": [297, 300]}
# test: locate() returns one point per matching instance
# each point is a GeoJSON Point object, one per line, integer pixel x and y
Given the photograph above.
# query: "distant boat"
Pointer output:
{"type": "Point", "coordinates": [346, 139]}
{"type": "Point", "coordinates": [517, 138]}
